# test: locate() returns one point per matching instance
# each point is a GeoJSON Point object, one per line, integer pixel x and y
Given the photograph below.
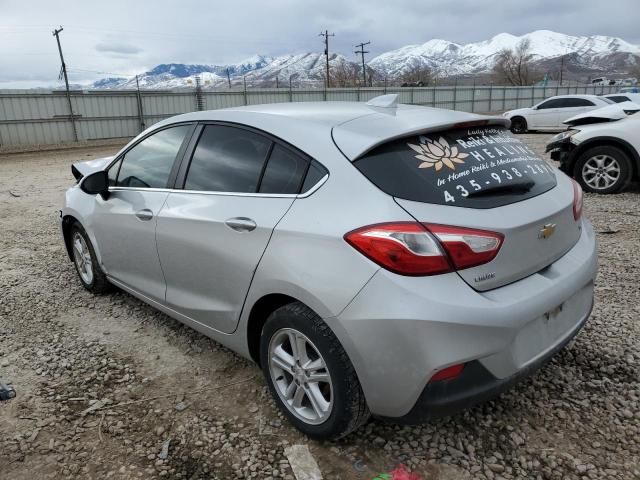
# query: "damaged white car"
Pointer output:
{"type": "Point", "coordinates": [601, 148]}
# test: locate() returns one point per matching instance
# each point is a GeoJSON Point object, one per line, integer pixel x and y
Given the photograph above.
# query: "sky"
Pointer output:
{"type": "Point", "coordinates": [125, 37]}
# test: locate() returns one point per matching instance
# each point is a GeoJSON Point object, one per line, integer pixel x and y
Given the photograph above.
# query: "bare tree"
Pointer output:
{"type": "Point", "coordinates": [514, 67]}
{"type": "Point", "coordinates": [419, 75]}
{"type": "Point", "coordinates": [344, 75]}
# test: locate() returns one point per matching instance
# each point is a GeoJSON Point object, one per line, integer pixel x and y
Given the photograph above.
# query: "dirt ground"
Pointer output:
{"type": "Point", "coordinates": [110, 388]}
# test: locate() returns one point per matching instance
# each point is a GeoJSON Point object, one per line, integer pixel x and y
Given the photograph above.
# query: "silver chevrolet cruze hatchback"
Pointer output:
{"type": "Point", "coordinates": [394, 260]}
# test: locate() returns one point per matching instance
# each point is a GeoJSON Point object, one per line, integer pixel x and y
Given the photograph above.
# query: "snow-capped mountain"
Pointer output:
{"type": "Point", "coordinates": [258, 70]}
{"type": "Point", "coordinates": [584, 55]}
{"type": "Point", "coordinates": [448, 58]}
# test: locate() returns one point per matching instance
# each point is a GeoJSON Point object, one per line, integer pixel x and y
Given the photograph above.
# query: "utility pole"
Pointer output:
{"type": "Point", "coordinates": [362, 51]}
{"type": "Point", "coordinates": [561, 68]}
{"type": "Point", "coordinates": [228, 78]}
{"type": "Point", "coordinates": [63, 72]}
{"type": "Point", "coordinates": [140, 110]}
{"type": "Point", "coordinates": [326, 36]}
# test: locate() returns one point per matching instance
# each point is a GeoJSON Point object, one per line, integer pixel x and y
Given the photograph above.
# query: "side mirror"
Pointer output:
{"type": "Point", "coordinates": [96, 184]}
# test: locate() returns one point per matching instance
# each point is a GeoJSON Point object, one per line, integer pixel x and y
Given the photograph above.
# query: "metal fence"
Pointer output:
{"type": "Point", "coordinates": [29, 117]}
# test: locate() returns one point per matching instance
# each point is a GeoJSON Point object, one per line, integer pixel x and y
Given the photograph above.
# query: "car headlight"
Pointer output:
{"type": "Point", "coordinates": [563, 135]}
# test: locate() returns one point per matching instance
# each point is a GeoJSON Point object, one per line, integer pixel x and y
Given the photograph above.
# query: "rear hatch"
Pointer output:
{"type": "Point", "coordinates": [481, 177]}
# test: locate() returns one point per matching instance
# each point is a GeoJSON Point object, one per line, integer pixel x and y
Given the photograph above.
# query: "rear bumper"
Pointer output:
{"type": "Point", "coordinates": [399, 331]}
{"type": "Point", "coordinates": [475, 385]}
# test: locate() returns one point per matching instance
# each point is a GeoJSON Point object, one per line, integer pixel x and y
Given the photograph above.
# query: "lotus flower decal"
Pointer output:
{"type": "Point", "coordinates": [436, 153]}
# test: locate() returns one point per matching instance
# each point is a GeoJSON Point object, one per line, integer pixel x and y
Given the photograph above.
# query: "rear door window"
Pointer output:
{"type": "Point", "coordinates": [227, 159]}
{"type": "Point", "coordinates": [579, 102]}
{"type": "Point", "coordinates": [284, 172]}
{"type": "Point", "coordinates": [481, 167]}
{"type": "Point", "coordinates": [316, 173]}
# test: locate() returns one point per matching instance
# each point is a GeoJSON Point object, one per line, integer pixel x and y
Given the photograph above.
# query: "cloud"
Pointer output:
{"type": "Point", "coordinates": [118, 48]}
{"type": "Point", "coordinates": [100, 37]}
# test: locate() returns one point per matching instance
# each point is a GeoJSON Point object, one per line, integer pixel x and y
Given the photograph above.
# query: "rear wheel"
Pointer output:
{"type": "Point", "coordinates": [518, 125]}
{"type": "Point", "coordinates": [310, 375]}
{"type": "Point", "coordinates": [603, 169]}
{"type": "Point", "coordinates": [86, 262]}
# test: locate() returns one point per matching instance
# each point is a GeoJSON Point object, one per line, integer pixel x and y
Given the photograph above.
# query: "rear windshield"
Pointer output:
{"type": "Point", "coordinates": [481, 167]}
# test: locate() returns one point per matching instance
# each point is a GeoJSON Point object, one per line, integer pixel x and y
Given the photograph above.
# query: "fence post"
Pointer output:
{"type": "Point", "coordinates": [557, 87]}
{"type": "Point", "coordinates": [385, 85]}
{"type": "Point", "coordinates": [473, 97]}
{"type": "Point", "coordinates": [533, 94]}
{"type": "Point", "coordinates": [517, 97]}
{"type": "Point", "coordinates": [455, 94]}
{"type": "Point", "coordinates": [290, 90]}
{"type": "Point", "coordinates": [244, 83]}
{"type": "Point", "coordinates": [504, 98]}
{"type": "Point", "coordinates": [490, 96]}
{"type": "Point", "coordinates": [411, 102]}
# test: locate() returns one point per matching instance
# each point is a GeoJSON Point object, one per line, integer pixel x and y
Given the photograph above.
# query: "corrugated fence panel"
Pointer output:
{"type": "Point", "coordinates": [28, 117]}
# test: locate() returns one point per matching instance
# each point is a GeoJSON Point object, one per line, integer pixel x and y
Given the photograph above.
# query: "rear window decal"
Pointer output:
{"type": "Point", "coordinates": [479, 167]}
{"type": "Point", "coordinates": [437, 153]}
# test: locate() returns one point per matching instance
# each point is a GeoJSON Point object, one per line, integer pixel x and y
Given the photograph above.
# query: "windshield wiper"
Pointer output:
{"type": "Point", "coordinates": [507, 189]}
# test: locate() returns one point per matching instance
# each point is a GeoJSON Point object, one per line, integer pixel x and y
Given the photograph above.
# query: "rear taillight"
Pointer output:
{"type": "Point", "coordinates": [467, 247]}
{"type": "Point", "coordinates": [411, 248]}
{"type": "Point", "coordinates": [401, 247]}
{"type": "Point", "coordinates": [577, 200]}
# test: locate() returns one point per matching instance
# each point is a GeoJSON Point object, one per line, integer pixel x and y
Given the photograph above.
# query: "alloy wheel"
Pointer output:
{"type": "Point", "coordinates": [300, 376]}
{"type": "Point", "coordinates": [601, 172]}
{"type": "Point", "coordinates": [82, 258]}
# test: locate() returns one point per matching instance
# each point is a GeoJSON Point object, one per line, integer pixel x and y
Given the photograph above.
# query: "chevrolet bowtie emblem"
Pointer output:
{"type": "Point", "coordinates": [548, 230]}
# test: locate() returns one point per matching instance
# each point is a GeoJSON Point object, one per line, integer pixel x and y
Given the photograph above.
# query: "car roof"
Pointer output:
{"type": "Point", "coordinates": [623, 94]}
{"type": "Point", "coordinates": [585, 96]}
{"type": "Point", "coordinates": [355, 127]}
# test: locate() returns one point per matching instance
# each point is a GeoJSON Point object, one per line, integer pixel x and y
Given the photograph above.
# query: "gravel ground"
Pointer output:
{"type": "Point", "coordinates": [109, 388]}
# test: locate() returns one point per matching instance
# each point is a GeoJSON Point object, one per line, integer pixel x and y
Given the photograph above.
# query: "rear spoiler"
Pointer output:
{"type": "Point", "coordinates": [362, 134]}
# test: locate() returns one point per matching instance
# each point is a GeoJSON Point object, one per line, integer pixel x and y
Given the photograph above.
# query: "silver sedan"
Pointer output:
{"type": "Point", "coordinates": [385, 259]}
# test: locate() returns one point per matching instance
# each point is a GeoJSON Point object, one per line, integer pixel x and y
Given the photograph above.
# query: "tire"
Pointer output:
{"type": "Point", "coordinates": [84, 259]}
{"type": "Point", "coordinates": [603, 169]}
{"type": "Point", "coordinates": [518, 125]}
{"type": "Point", "coordinates": [342, 407]}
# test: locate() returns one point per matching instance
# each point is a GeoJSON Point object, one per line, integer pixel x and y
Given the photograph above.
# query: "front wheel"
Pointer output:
{"type": "Point", "coordinates": [310, 375]}
{"type": "Point", "coordinates": [603, 169]}
{"type": "Point", "coordinates": [86, 262]}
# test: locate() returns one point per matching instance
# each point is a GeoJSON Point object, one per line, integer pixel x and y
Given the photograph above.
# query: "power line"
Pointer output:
{"type": "Point", "coordinates": [63, 71]}
{"type": "Point", "coordinates": [362, 51]}
{"type": "Point", "coordinates": [326, 36]}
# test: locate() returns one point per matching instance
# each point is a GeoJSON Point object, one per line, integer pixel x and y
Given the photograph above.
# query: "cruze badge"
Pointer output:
{"type": "Point", "coordinates": [548, 230]}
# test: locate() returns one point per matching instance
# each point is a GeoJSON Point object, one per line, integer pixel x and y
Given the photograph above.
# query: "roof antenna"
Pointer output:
{"type": "Point", "coordinates": [384, 101]}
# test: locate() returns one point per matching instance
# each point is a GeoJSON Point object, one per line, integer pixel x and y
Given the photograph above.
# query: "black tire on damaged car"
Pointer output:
{"type": "Point", "coordinates": [596, 166]}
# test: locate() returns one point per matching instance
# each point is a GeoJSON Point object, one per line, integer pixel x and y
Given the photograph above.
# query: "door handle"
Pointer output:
{"type": "Point", "coordinates": [241, 224]}
{"type": "Point", "coordinates": [144, 214]}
